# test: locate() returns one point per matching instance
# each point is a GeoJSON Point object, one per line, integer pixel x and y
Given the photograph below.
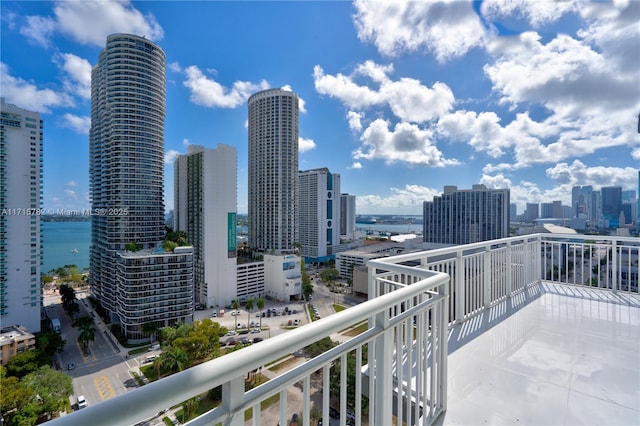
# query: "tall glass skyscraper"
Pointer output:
{"type": "Point", "coordinates": [273, 170]}
{"type": "Point", "coordinates": [126, 148]}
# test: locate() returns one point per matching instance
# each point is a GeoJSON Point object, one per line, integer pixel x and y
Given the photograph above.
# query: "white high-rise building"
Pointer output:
{"type": "Point", "coordinates": [20, 209]}
{"type": "Point", "coordinates": [205, 200]}
{"type": "Point", "coordinates": [126, 172]}
{"type": "Point", "coordinates": [273, 170]}
{"type": "Point", "coordinates": [319, 218]}
{"type": "Point", "coordinates": [347, 215]}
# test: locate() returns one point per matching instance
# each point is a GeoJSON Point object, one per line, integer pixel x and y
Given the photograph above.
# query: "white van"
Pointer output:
{"type": "Point", "coordinates": [150, 358]}
{"type": "Point", "coordinates": [82, 402]}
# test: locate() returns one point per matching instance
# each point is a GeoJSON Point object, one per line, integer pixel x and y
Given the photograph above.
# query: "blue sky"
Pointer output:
{"type": "Point", "coordinates": [398, 98]}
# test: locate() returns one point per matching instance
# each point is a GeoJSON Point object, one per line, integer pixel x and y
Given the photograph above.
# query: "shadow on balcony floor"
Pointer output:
{"type": "Point", "coordinates": [555, 355]}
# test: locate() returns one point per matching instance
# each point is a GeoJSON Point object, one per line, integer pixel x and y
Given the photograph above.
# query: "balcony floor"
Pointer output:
{"type": "Point", "coordinates": [568, 356]}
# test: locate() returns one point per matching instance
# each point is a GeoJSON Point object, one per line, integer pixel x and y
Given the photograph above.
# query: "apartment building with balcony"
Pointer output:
{"type": "Point", "coordinates": [126, 179]}
{"type": "Point", "coordinates": [205, 200]}
{"type": "Point", "coordinates": [155, 286]}
{"type": "Point", "coordinates": [21, 135]}
{"type": "Point", "coordinates": [319, 218]}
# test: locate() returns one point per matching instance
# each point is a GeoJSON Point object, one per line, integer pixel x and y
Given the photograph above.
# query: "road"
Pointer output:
{"type": "Point", "coordinates": [103, 373]}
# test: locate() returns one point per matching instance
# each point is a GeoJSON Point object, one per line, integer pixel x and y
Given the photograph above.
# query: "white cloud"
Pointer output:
{"type": "Point", "coordinates": [78, 71]}
{"type": "Point", "coordinates": [170, 156]}
{"type": "Point", "coordinates": [72, 183]}
{"type": "Point", "coordinates": [407, 98]}
{"type": "Point", "coordinates": [174, 66]}
{"type": "Point", "coordinates": [209, 93]}
{"type": "Point", "coordinates": [356, 165]}
{"type": "Point", "coordinates": [39, 29]}
{"type": "Point", "coordinates": [90, 22]}
{"type": "Point", "coordinates": [185, 142]}
{"type": "Point", "coordinates": [305, 145]}
{"type": "Point", "coordinates": [355, 120]}
{"type": "Point", "coordinates": [406, 142]}
{"type": "Point", "coordinates": [537, 13]}
{"type": "Point", "coordinates": [407, 200]}
{"type": "Point", "coordinates": [71, 194]}
{"type": "Point", "coordinates": [79, 124]}
{"type": "Point", "coordinates": [635, 154]}
{"type": "Point", "coordinates": [447, 29]}
{"type": "Point", "coordinates": [26, 94]}
{"type": "Point", "coordinates": [577, 173]}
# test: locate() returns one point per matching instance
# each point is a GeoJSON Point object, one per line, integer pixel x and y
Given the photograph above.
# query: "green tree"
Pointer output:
{"type": "Point", "coordinates": [260, 305]}
{"type": "Point", "coordinates": [150, 329]}
{"type": "Point", "coordinates": [18, 401]}
{"type": "Point", "coordinates": [190, 407]}
{"type": "Point", "coordinates": [236, 305]}
{"type": "Point", "coordinates": [87, 331]}
{"type": "Point", "coordinates": [331, 274]}
{"type": "Point", "coordinates": [249, 306]}
{"type": "Point", "coordinates": [24, 363]}
{"type": "Point", "coordinates": [334, 381]}
{"type": "Point", "coordinates": [49, 343]}
{"type": "Point", "coordinates": [175, 360]}
{"type": "Point", "coordinates": [52, 387]}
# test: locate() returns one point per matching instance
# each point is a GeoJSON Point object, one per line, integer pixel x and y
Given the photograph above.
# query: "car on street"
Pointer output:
{"type": "Point", "coordinates": [71, 366]}
{"type": "Point", "coordinates": [154, 347]}
{"type": "Point", "coordinates": [82, 402]}
{"type": "Point", "coordinates": [214, 314]}
{"type": "Point", "coordinates": [257, 339]}
{"type": "Point", "coordinates": [231, 333]}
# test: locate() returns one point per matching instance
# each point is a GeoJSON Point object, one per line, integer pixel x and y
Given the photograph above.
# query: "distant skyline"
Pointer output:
{"type": "Point", "coordinates": [399, 98]}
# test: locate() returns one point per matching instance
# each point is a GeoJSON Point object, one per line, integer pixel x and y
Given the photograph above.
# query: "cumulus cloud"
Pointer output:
{"type": "Point", "coordinates": [38, 29]}
{"type": "Point", "coordinates": [446, 29]}
{"type": "Point", "coordinates": [406, 142]}
{"type": "Point", "coordinates": [356, 165]}
{"type": "Point", "coordinates": [305, 145]}
{"type": "Point", "coordinates": [577, 173]}
{"type": "Point", "coordinates": [355, 120]}
{"type": "Point", "coordinates": [407, 98]}
{"type": "Point", "coordinates": [27, 95]}
{"type": "Point", "coordinates": [174, 66]}
{"type": "Point", "coordinates": [77, 123]}
{"type": "Point", "coordinates": [78, 71]}
{"type": "Point", "coordinates": [170, 156]}
{"type": "Point", "coordinates": [407, 200]}
{"type": "Point", "coordinates": [72, 183]}
{"type": "Point", "coordinates": [90, 22]}
{"type": "Point", "coordinates": [537, 13]}
{"type": "Point", "coordinates": [71, 194]}
{"type": "Point", "coordinates": [635, 154]}
{"type": "Point", "coordinates": [209, 93]}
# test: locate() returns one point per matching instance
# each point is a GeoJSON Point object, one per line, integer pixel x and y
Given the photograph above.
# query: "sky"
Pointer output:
{"type": "Point", "coordinates": [399, 98]}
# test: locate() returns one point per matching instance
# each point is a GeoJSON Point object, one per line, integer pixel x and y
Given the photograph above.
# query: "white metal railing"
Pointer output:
{"type": "Point", "coordinates": [390, 317]}
{"type": "Point", "coordinates": [402, 355]}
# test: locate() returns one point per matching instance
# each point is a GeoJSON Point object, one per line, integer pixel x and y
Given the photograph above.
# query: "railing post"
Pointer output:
{"type": "Point", "coordinates": [615, 283]}
{"type": "Point", "coordinates": [383, 380]}
{"type": "Point", "coordinates": [233, 399]}
{"type": "Point", "coordinates": [458, 293]}
{"type": "Point", "coordinates": [510, 269]}
{"type": "Point", "coordinates": [486, 266]}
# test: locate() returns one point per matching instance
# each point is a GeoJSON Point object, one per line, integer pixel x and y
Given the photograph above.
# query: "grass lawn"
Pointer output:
{"type": "Point", "coordinates": [360, 328]}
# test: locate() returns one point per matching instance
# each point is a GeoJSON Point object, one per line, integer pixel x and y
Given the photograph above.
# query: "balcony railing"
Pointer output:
{"type": "Point", "coordinates": [401, 355]}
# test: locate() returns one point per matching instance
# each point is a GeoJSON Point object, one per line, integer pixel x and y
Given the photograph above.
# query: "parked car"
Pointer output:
{"type": "Point", "coordinates": [296, 322]}
{"type": "Point", "coordinates": [257, 339]}
{"type": "Point", "coordinates": [154, 347]}
{"type": "Point", "coordinates": [231, 333]}
{"type": "Point", "coordinates": [214, 314]}
{"type": "Point", "coordinates": [150, 358]}
{"type": "Point", "coordinates": [71, 366]}
{"type": "Point", "coordinates": [246, 341]}
{"type": "Point", "coordinates": [82, 402]}
{"type": "Point", "coordinates": [231, 342]}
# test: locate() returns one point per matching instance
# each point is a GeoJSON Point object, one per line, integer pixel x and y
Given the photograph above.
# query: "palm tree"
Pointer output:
{"type": "Point", "coordinates": [249, 306]}
{"type": "Point", "coordinates": [260, 305]}
{"type": "Point", "coordinates": [86, 335]}
{"type": "Point", "coordinates": [87, 332]}
{"type": "Point", "coordinates": [150, 329]}
{"type": "Point", "coordinates": [175, 360]}
{"type": "Point", "coordinates": [236, 305]}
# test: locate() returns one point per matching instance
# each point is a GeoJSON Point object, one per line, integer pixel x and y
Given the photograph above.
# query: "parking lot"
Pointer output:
{"type": "Point", "coordinates": [247, 328]}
